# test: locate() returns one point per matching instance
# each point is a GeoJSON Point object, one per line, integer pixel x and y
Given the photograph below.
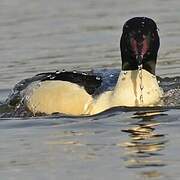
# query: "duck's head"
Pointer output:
{"type": "Point", "coordinates": [139, 44]}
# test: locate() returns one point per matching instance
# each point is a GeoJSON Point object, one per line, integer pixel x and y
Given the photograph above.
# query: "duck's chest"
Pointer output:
{"type": "Point", "coordinates": [137, 88]}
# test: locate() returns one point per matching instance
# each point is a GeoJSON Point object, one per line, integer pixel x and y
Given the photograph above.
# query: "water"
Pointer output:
{"type": "Point", "coordinates": [40, 36]}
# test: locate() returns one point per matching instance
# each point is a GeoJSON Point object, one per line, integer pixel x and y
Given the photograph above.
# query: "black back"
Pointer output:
{"type": "Point", "coordinates": [88, 81]}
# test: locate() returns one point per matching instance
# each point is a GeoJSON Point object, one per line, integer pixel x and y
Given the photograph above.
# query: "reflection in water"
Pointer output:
{"type": "Point", "coordinates": [143, 148]}
{"type": "Point", "coordinates": [74, 143]}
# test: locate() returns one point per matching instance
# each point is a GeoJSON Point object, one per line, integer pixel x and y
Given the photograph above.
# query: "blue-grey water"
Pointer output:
{"type": "Point", "coordinates": [39, 36]}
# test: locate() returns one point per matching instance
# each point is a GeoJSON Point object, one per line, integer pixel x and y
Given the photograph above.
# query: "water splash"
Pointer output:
{"type": "Point", "coordinates": [140, 67]}
{"type": "Point", "coordinates": [13, 106]}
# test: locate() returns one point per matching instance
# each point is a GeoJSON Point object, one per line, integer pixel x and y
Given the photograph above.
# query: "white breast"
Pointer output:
{"type": "Point", "coordinates": [128, 92]}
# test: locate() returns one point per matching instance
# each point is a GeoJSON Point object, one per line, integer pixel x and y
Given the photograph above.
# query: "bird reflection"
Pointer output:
{"type": "Point", "coordinates": [145, 144]}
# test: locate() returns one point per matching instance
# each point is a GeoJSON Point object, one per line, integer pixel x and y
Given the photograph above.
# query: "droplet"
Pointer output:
{"type": "Point", "coordinates": [74, 71]}
{"type": "Point", "coordinates": [83, 73]}
{"type": "Point", "coordinates": [141, 86]}
{"type": "Point", "coordinates": [63, 70]}
{"type": "Point", "coordinates": [98, 78]}
{"type": "Point", "coordinates": [140, 67]}
{"type": "Point", "coordinates": [52, 77]}
{"type": "Point", "coordinates": [58, 72]}
{"type": "Point", "coordinates": [39, 84]}
{"type": "Point", "coordinates": [141, 98]}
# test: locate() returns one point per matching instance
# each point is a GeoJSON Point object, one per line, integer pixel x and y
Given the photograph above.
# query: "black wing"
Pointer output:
{"type": "Point", "coordinates": [89, 81]}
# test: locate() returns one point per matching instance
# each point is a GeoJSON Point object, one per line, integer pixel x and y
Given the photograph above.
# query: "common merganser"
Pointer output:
{"type": "Point", "coordinates": [72, 93]}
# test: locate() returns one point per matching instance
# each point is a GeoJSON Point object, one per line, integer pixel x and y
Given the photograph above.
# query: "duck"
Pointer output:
{"type": "Point", "coordinates": [72, 93]}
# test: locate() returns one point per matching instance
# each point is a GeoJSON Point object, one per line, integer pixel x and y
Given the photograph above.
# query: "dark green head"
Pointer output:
{"type": "Point", "coordinates": [139, 44]}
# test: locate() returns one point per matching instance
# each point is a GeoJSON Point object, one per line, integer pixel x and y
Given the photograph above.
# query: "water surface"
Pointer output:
{"type": "Point", "coordinates": [40, 36]}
